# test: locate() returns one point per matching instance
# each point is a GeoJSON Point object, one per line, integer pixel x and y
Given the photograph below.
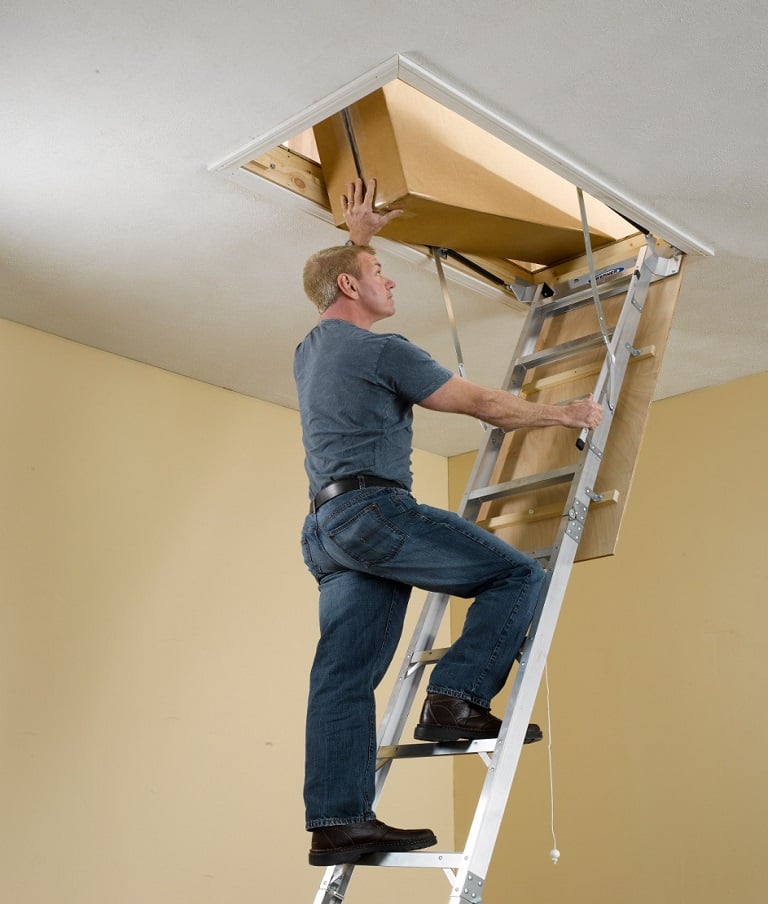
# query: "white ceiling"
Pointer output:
{"type": "Point", "coordinates": [115, 231]}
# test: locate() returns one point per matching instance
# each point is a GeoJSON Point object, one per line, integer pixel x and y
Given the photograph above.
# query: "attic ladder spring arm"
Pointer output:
{"type": "Point", "coordinates": [596, 297]}
{"type": "Point", "coordinates": [436, 254]}
{"type": "Point", "coordinates": [516, 287]}
{"type": "Point", "coordinates": [352, 142]}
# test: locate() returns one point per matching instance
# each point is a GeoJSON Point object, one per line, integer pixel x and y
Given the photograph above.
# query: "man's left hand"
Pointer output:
{"type": "Point", "coordinates": [357, 205]}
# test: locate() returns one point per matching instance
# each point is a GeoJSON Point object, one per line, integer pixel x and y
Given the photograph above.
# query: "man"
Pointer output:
{"type": "Point", "coordinates": [367, 541]}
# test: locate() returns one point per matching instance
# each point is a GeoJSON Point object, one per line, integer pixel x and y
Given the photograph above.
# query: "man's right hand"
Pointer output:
{"type": "Point", "coordinates": [357, 205]}
{"type": "Point", "coordinates": [583, 413]}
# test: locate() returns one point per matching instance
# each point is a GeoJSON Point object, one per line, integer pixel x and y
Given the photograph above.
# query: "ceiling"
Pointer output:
{"type": "Point", "coordinates": [119, 230]}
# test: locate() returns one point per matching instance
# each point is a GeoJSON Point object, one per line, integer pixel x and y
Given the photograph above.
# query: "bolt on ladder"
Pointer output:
{"type": "Point", "coordinates": [466, 869]}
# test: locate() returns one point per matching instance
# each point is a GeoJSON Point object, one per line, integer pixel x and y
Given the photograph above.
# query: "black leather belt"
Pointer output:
{"type": "Point", "coordinates": [346, 485]}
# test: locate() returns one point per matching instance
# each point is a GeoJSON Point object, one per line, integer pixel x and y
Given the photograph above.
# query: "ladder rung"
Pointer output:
{"type": "Point", "coordinates": [523, 484]}
{"type": "Point", "coordinates": [578, 297]}
{"type": "Point", "coordinates": [440, 860]}
{"type": "Point", "coordinates": [429, 655]}
{"type": "Point", "coordinates": [425, 749]}
{"type": "Point", "coordinates": [543, 552]}
{"type": "Point", "coordinates": [563, 351]}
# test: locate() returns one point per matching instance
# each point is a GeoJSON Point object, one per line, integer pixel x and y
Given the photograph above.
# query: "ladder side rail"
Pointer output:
{"type": "Point", "coordinates": [611, 375]}
{"type": "Point", "coordinates": [649, 268]}
{"type": "Point", "coordinates": [493, 798]}
{"type": "Point", "coordinates": [492, 803]}
{"type": "Point", "coordinates": [579, 497]}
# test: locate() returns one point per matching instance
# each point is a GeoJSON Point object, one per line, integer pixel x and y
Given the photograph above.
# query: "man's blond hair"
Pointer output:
{"type": "Point", "coordinates": [323, 269]}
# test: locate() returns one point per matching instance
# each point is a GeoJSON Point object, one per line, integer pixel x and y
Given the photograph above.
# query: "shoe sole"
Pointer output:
{"type": "Point", "coordinates": [353, 854]}
{"type": "Point", "coordinates": [441, 733]}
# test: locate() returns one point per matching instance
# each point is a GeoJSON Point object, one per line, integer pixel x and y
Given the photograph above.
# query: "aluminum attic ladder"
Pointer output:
{"type": "Point", "coordinates": [467, 869]}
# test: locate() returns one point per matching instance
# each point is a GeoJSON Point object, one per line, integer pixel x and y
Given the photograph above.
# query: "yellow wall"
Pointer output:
{"type": "Point", "coordinates": [658, 677]}
{"type": "Point", "coordinates": [157, 626]}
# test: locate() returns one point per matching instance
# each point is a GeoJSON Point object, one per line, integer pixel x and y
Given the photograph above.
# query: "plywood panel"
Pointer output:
{"type": "Point", "coordinates": [460, 187]}
{"type": "Point", "coordinates": [532, 521]}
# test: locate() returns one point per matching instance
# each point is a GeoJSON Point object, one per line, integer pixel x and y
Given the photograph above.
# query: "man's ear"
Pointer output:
{"type": "Point", "coordinates": [346, 284]}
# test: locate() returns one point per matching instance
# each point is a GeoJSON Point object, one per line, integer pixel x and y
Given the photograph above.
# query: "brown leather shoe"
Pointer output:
{"type": "Point", "coordinates": [348, 843]}
{"type": "Point", "coordinates": [451, 719]}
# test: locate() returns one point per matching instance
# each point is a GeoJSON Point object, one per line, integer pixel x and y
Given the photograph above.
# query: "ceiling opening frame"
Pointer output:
{"type": "Point", "coordinates": [402, 67]}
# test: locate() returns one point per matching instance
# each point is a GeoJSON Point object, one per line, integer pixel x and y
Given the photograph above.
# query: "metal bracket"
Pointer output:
{"type": "Point", "coordinates": [593, 448]}
{"type": "Point", "coordinates": [472, 889]}
{"type": "Point", "coordinates": [665, 266]}
{"type": "Point", "coordinates": [577, 516]}
{"type": "Point", "coordinates": [524, 291]}
{"type": "Point", "coordinates": [334, 887]}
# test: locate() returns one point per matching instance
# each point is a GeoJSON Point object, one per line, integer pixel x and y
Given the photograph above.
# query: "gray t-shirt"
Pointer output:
{"type": "Point", "coordinates": [357, 390]}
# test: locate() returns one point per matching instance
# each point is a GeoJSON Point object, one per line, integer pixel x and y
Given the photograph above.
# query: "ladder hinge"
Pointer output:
{"type": "Point", "coordinates": [472, 889]}
{"type": "Point", "coordinates": [577, 515]}
{"type": "Point", "coordinates": [665, 266]}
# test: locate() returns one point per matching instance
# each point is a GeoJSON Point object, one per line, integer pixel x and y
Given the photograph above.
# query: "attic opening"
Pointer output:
{"type": "Point", "coordinates": [495, 212]}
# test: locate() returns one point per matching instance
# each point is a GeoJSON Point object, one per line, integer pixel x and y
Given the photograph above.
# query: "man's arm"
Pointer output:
{"type": "Point", "coordinates": [363, 221]}
{"type": "Point", "coordinates": [502, 409]}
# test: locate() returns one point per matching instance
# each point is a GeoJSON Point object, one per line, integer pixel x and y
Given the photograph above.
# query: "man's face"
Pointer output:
{"type": "Point", "coordinates": [374, 290]}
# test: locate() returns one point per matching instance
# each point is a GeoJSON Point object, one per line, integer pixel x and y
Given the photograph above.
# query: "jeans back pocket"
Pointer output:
{"type": "Point", "coordinates": [368, 537]}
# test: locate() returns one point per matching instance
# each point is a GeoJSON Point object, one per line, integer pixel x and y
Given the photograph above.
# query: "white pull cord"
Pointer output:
{"type": "Point", "coordinates": [554, 853]}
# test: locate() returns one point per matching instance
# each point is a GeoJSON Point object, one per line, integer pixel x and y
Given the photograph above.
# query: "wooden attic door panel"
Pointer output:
{"type": "Point", "coordinates": [531, 522]}
{"type": "Point", "coordinates": [459, 186]}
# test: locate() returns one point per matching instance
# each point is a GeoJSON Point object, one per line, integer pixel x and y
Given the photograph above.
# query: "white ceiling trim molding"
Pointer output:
{"type": "Point", "coordinates": [419, 77]}
{"type": "Point", "coordinates": [289, 128]}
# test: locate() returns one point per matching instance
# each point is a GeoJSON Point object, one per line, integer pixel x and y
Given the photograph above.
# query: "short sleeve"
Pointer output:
{"type": "Point", "coordinates": [410, 371]}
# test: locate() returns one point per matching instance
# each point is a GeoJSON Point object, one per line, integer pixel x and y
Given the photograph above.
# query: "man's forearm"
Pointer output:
{"type": "Point", "coordinates": [501, 409]}
{"type": "Point", "coordinates": [510, 412]}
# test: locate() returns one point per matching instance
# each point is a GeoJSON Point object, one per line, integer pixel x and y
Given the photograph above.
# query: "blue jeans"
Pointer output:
{"type": "Point", "coordinates": [366, 549]}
